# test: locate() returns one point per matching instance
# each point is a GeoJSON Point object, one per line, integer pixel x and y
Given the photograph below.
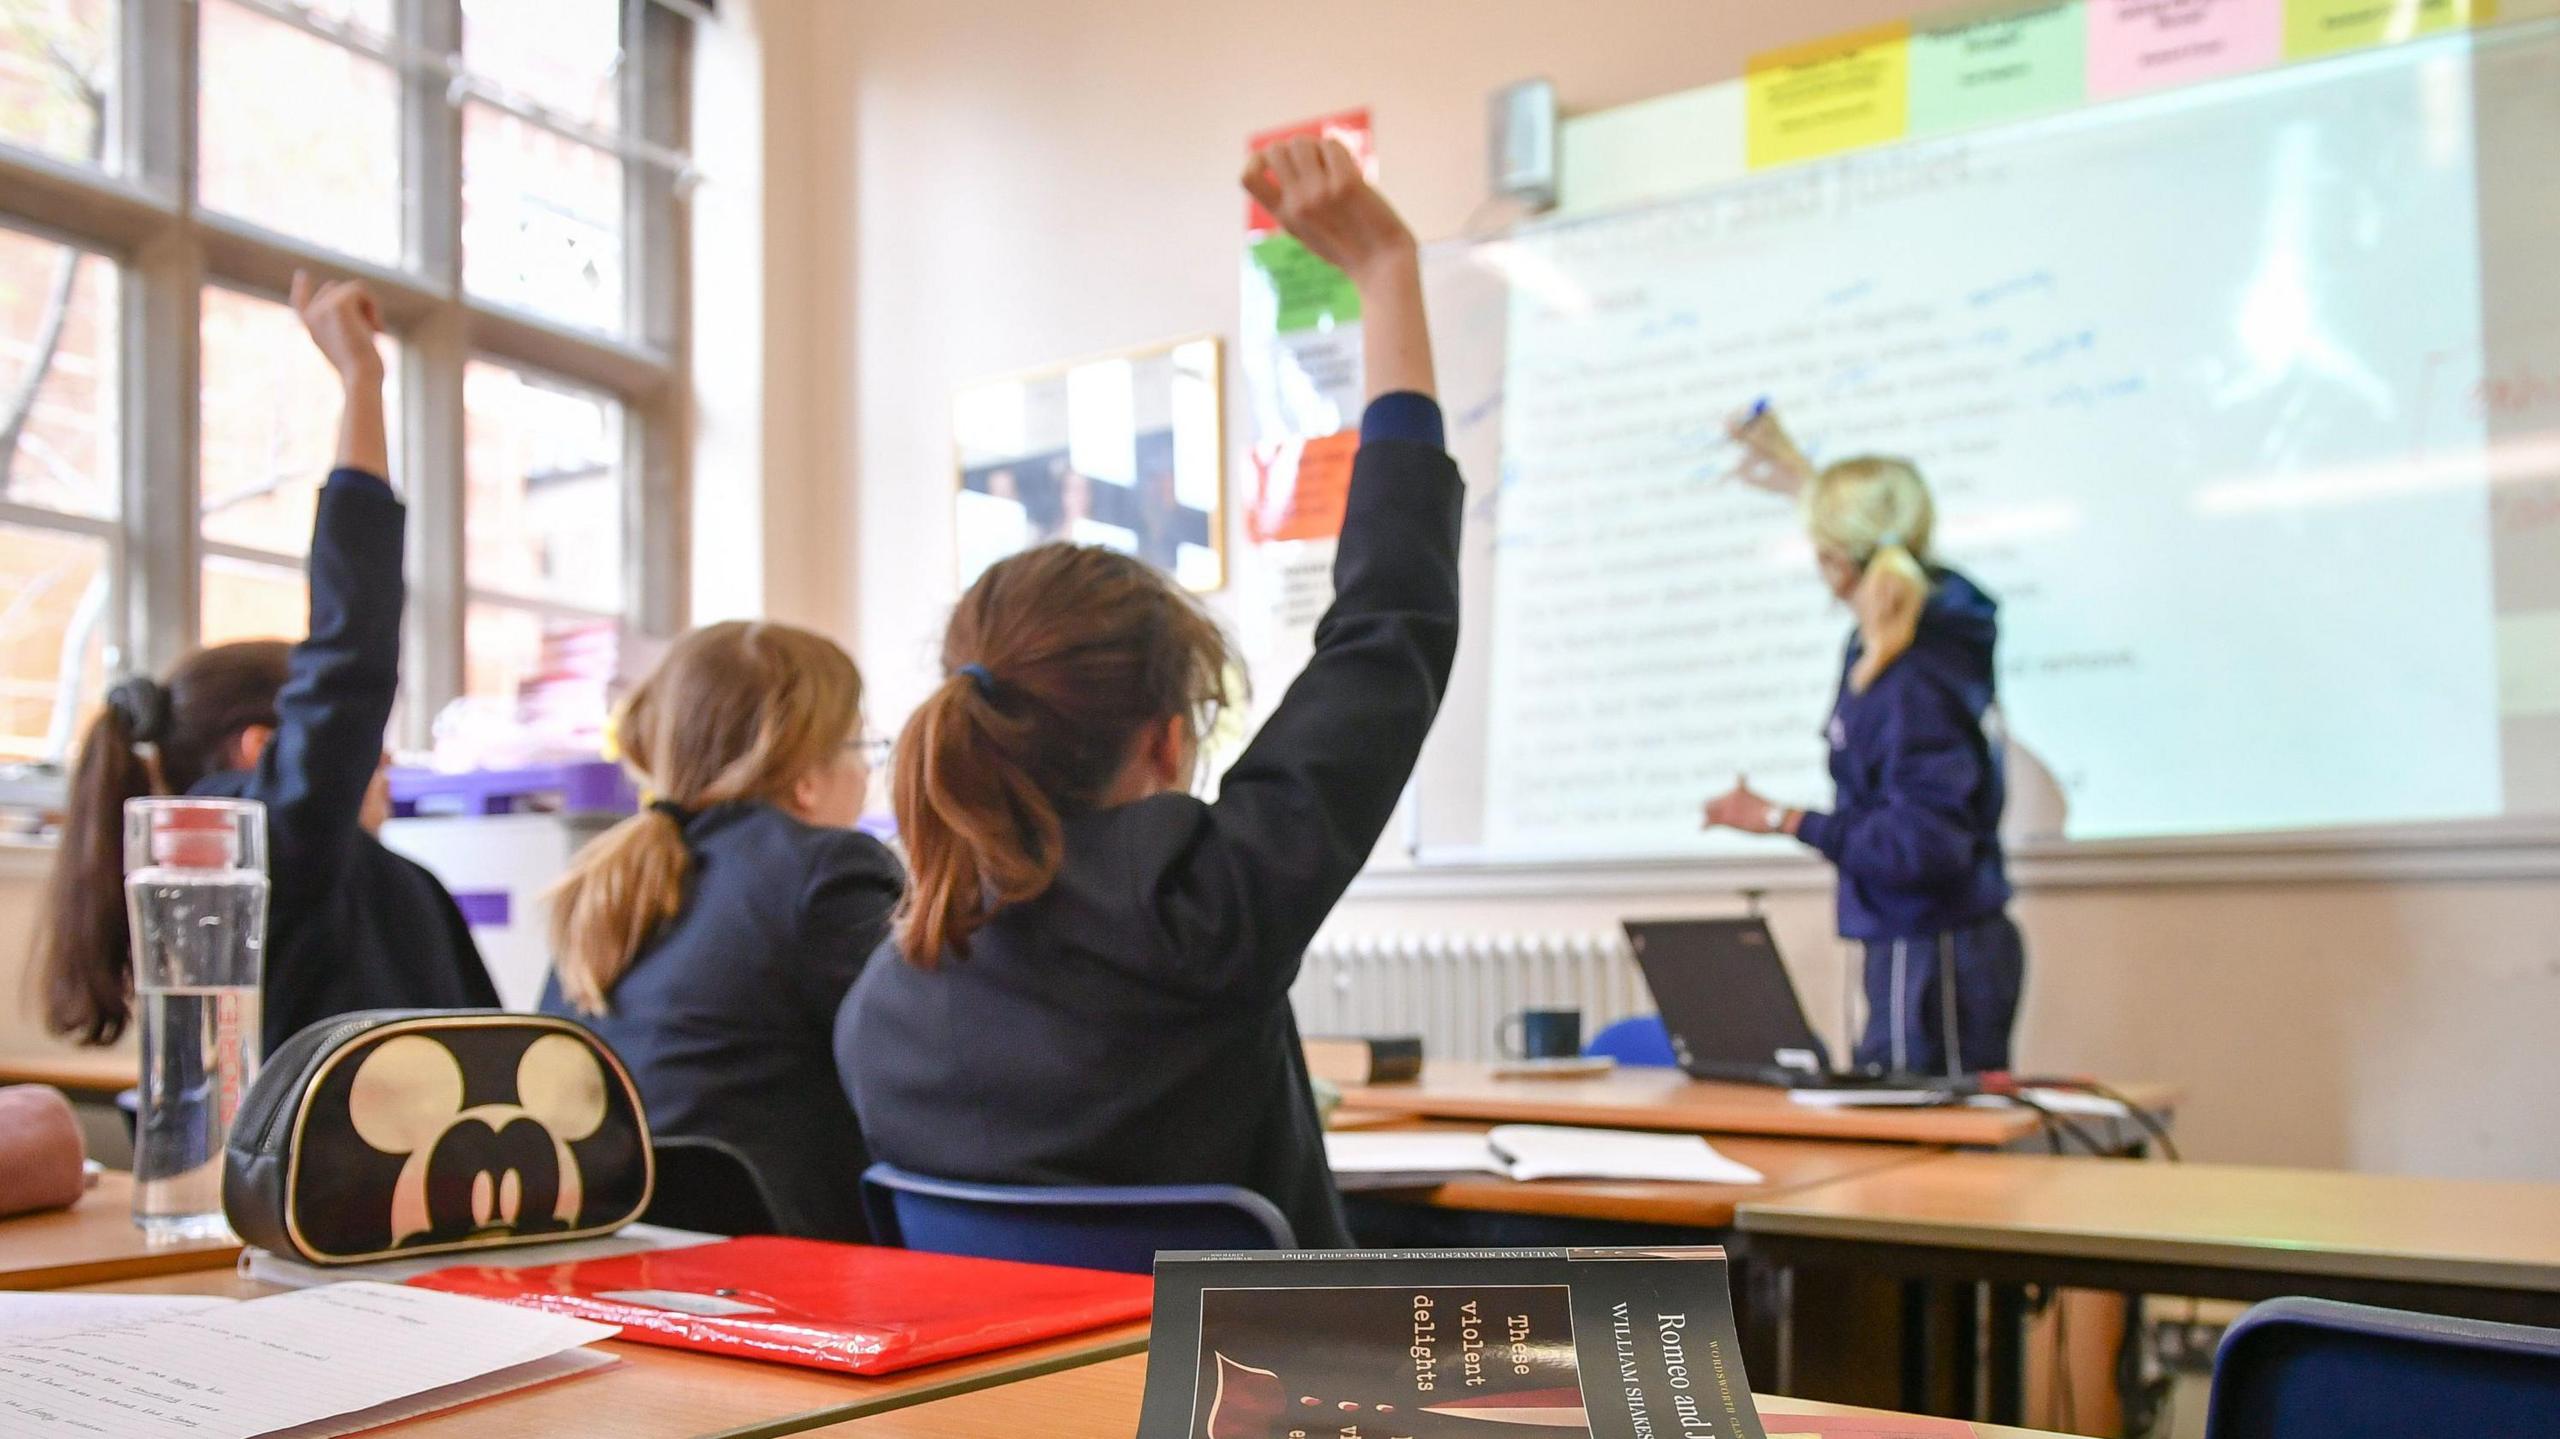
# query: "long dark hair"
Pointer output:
{"type": "Point", "coordinates": [148, 739]}
{"type": "Point", "coordinates": [1054, 661]}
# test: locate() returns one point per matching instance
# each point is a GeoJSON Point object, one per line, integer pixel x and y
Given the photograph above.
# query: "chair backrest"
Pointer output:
{"type": "Point", "coordinates": [1640, 1040]}
{"type": "Point", "coordinates": [1098, 1227]}
{"type": "Point", "coordinates": [2317, 1369]}
{"type": "Point", "coordinates": [707, 1185]}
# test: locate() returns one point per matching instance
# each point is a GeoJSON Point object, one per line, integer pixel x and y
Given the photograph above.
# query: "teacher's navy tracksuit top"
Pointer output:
{"type": "Point", "coordinates": [1915, 826]}
{"type": "Point", "coordinates": [350, 925]}
{"type": "Point", "coordinates": [1131, 1025]}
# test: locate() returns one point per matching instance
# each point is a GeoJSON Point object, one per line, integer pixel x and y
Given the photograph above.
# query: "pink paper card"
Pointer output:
{"type": "Point", "coordinates": [2140, 45]}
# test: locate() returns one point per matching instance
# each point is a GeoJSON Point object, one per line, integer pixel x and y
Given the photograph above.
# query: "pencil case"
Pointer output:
{"type": "Point", "coordinates": [392, 1133]}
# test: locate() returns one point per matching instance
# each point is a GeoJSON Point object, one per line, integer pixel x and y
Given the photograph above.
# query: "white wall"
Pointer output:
{"type": "Point", "coordinates": [999, 185]}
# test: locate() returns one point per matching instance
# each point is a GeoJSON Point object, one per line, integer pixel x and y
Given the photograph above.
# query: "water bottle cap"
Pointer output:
{"type": "Point", "coordinates": [210, 834]}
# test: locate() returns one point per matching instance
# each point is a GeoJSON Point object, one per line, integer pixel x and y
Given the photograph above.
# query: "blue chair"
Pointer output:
{"type": "Point", "coordinates": [2300, 1368]}
{"type": "Point", "coordinates": [1098, 1227]}
{"type": "Point", "coordinates": [1641, 1040]}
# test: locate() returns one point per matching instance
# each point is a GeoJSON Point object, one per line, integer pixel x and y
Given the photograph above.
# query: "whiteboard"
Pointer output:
{"type": "Point", "coordinates": [2243, 398]}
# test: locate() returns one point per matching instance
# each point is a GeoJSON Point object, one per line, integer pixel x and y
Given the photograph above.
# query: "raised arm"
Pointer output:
{"type": "Point", "coordinates": [342, 679]}
{"type": "Point", "coordinates": [1300, 811]}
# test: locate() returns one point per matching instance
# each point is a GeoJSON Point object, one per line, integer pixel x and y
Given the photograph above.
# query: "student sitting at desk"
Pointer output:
{"type": "Point", "coordinates": [711, 937]}
{"type": "Point", "coordinates": [1090, 982]}
{"type": "Point", "coordinates": [350, 925]}
{"type": "Point", "coordinates": [1915, 827]}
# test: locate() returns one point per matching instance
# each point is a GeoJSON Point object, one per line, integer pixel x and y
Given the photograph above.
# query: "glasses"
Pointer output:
{"type": "Point", "coordinates": [873, 748]}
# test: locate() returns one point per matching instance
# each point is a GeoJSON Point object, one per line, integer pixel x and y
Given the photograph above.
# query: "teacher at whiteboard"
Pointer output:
{"type": "Point", "coordinates": [1914, 829]}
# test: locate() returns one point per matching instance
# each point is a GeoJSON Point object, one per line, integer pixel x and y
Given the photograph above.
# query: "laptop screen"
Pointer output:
{"type": "Point", "coordinates": [1724, 995]}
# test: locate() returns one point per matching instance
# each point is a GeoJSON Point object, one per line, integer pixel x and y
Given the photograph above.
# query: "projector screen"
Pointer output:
{"type": "Point", "coordinates": [2243, 399]}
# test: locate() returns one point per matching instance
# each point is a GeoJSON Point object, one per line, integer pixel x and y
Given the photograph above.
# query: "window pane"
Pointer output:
{"type": "Point", "coordinates": [268, 425]}
{"type": "Point", "coordinates": [57, 325]}
{"type": "Point", "coordinates": [567, 54]}
{"type": "Point", "coordinates": [57, 72]}
{"type": "Point", "coordinates": [551, 675]}
{"type": "Point", "coordinates": [297, 134]}
{"type": "Point", "coordinates": [541, 220]}
{"type": "Point", "coordinates": [54, 618]}
{"type": "Point", "coordinates": [244, 600]}
{"type": "Point", "coordinates": [542, 504]}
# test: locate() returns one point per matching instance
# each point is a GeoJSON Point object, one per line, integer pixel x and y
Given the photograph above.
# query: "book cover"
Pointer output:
{"type": "Point", "coordinates": [1364, 1059]}
{"type": "Point", "coordinates": [1447, 1344]}
{"type": "Point", "coordinates": [851, 1308]}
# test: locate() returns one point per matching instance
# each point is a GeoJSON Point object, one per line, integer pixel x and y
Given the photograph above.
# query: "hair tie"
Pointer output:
{"type": "Point", "coordinates": [143, 704]}
{"type": "Point", "coordinates": [977, 674]}
{"type": "Point", "coordinates": [1889, 540]}
{"type": "Point", "coordinates": [672, 810]}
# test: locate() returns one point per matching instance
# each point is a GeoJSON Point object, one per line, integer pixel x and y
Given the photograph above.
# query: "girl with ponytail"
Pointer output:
{"type": "Point", "coordinates": [1915, 824]}
{"type": "Point", "coordinates": [711, 938]}
{"type": "Point", "coordinates": [1089, 983]}
{"type": "Point", "coordinates": [299, 728]}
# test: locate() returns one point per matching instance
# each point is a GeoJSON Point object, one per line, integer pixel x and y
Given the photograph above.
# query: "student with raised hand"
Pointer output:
{"type": "Point", "coordinates": [711, 938]}
{"type": "Point", "coordinates": [1917, 762]}
{"type": "Point", "coordinates": [299, 728]}
{"type": "Point", "coordinates": [1089, 982]}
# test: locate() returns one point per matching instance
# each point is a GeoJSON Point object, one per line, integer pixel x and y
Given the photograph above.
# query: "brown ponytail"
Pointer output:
{"type": "Point", "coordinates": [737, 711]}
{"type": "Point", "coordinates": [1055, 661]}
{"type": "Point", "coordinates": [146, 740]}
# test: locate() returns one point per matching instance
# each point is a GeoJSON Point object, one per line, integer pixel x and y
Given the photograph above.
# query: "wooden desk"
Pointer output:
{"type": "Point", "coordinates": [1639, 1097]}
{"type": "Point", "coordinates": [673, 1394]}
{"type": "Point", "coordinates": [94, 1241]}
{"type": "Point", "coordinates": [2213, 1231]}
{"type": "Point", "coordinates": [1785, 1165]}
{"type": "Point", "coordinates": [2217, 1231]}
{"type": "Point", "coordinates": [81, 1073]}
{"type": "Point", "coordinates": [1100, 1401]}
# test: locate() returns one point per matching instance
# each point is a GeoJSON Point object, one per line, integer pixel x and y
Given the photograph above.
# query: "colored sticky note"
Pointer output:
{"type": "Point", "coordinates": [1310, 292]}
{"type": "Point", "coordinates": [2325, 27]}
{"type": "Point", "coordinates": [1832, 95]}
{"type": "Point", "coordinates": [1301, 490]}
{"type": "Point", "coordinates": [1993, 70]}
{"type": "Point", "coordinates": [2139, 45]}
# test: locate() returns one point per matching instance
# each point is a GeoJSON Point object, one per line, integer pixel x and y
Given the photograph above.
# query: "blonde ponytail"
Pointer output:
{"type": "Point", "coordinates": [1876, 511]}
{"type": "Point", "coordinates": [1888, 600]}
{"type": "Point", "coordinates": [626, 883]}
{"type": "Point", "coordinates": [737, 711]}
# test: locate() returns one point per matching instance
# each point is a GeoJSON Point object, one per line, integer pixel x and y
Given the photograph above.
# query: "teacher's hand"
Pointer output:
{"type": "Point", "coordinates": [1740, 808]}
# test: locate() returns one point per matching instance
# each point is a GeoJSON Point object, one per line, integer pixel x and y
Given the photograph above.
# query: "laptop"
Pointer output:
{"type": "Point", "coordinates": [1732, 1012]}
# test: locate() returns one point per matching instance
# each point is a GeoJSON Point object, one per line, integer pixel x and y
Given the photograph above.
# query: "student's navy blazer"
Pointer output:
{"type": "Point", "coordinates": [725, 1016]}
{"type": "Point", "coordinates": [350, 925]}
{"type": "Point", "coordinates": [1132, 1025]}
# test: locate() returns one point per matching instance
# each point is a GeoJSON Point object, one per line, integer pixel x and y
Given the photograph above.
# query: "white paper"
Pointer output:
{"type": "Point", "coordinates": [271, 1268]}
{"type": "Point", "coordinates": [45, 1315]}
{"type": "Point", "coordinates": [251, 1369]}
{"type": "Point", "coordinates": [453, 1396]}
{"type": "Point", "coordinates": [1536, 1151]}
{"type": "Point", "coordinates": [1544, 1151]}
{"type": "Point", "coordinates": [1867, 1098]}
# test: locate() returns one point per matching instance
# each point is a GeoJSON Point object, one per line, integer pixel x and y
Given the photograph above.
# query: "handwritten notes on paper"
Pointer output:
{"type": "Point", "coordinates": [271, 1364]}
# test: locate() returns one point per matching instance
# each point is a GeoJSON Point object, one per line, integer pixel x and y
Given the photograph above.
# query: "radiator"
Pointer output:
{"type": "Point", "coordinates": [1455, 989]}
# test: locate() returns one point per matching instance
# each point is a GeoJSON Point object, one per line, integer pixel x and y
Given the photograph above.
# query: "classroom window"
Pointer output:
{"type": "Point", "coordinates": [57, 76]}
{"type": "Point", "coordinates": [505, 174]}
{"type": "Point", "coordinates": [543, 555]}
{"type": "Point", "coordinates": [58, 495]}
{"type": "Point", "coordinates": [297, 133]}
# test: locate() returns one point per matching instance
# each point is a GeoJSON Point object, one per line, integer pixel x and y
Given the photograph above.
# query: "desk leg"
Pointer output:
{"type": "Point", "coordinates": [2005, 1355]}
{"type": "Point", "coordinates": [1916, 1322]}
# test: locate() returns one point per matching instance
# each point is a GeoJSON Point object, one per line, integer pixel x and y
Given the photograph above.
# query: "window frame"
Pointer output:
{"type": "Point", "coordinates": [139, 212]}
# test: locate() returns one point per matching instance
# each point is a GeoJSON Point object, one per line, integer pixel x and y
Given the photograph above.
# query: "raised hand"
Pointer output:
{"type": "Point", "coordinates": [343, 322]}
{"type": "Point", "coordinates": [1317, 191]}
